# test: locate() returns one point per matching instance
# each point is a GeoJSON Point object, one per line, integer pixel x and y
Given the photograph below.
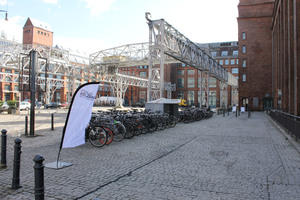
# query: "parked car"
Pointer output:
{"type": "Point", "coordinates": [138, 104]}
{"type": "Point", "coordinates": [64, 104]}
{"type": "Point", "coordinates": [24, 105]}
{"type": "Point", "coordinates": [5, 106]}
{"type": "Point", "coordinates": [52, 105]}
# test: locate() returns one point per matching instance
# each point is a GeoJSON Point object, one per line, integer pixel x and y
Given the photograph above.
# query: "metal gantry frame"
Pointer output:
{"type": "Point", "coordinates": [164, 39]}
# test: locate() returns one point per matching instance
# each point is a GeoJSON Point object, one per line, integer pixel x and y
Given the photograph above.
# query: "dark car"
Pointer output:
{"type": "Point", "coordinates": [52, 105]}
{"type": "Point", "coordinates": [138, 104]}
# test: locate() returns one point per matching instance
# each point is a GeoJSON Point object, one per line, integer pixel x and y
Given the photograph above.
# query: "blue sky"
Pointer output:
{"type": "Point", "coordinates": [94, 25]}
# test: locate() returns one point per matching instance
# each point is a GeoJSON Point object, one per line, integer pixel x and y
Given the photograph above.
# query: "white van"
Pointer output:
{"type": "Point", "coordinates": [24, 105]}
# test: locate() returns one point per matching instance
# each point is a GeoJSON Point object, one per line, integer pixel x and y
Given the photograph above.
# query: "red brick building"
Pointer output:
{"type": "Point", "coordinates": [286, 55]}
{"type": "Point", "coordinates": [36, 32]}
{"type": "Point", "coordinates": [255, 54]}
{"type": "Point", "coordinates": [269, 54]}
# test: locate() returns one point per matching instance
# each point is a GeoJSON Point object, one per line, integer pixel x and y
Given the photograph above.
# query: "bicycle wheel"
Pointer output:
{"type": "Point", "coordinates": [172, 121]}
{"type": "Point", "coordinates": [119, 132]}
{"type": "Point", "coordinates": [110, 135]}
{"type": "Point", "coordinates": [97, 136]}
{"type": "Point", "coordinates": [129, 130]}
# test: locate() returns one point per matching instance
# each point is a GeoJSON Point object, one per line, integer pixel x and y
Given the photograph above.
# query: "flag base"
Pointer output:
{"type": "Point", "coordinates": [58, 165]}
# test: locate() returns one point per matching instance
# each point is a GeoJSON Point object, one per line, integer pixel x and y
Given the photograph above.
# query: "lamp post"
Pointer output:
{"type": "Point", "coordinates": [5, 14]}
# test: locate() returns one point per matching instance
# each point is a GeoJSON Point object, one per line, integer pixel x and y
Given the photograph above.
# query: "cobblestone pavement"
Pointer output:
{"type": "Point", "coordinates": [219, 158]}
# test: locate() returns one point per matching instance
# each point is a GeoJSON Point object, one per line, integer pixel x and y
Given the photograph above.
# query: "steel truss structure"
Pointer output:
{"type": "Point", "coordinates": [164, 39]}
{"type": "Point", "coordinates": [107, 62]}
{"type": "Point", "coordinates": [54, 61]}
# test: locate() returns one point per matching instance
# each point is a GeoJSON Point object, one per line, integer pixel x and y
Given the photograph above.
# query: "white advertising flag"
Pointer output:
{"type": "Point", "coordinates": [79, 115]}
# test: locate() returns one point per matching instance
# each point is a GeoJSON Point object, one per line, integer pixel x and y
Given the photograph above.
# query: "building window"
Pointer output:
{"type": "Point", "coordinates": [143, 73]}
{"type": "Point", "coordinates": [235, 53]}
{"type": "Point", "coordinates": [191, 82]}
{"type": "Point", "coordinates": [224, 53]}
{"type": "Point", "coordinates": [221, 62]}
{"type": "Point", "coordinates": [183, 65]}
{"type": "Point", "coordinates": [244, 49]}
{"type": "Point", "coordinates": [235, 70]}
{"type": "Point", "coordinates": [180, 72]}
{"type": "Point", "coordinates": [191, 72]}
{"type": "Point", "coordinates": [244, 63]}
{"type": "Point", "coordinates": [180, 82]}
{"type": "Point", "coordinates": [227, 62]}
{"type": "Point", "coordinates": [213, 98]}
{"type": "Point", "coordinates": [237, 61]}
{"type": "Point", "coordinates": [244, 77]}
{"type": "Point", "coordinates": [212, 82]}
{"type": "Point", "coordinates": [180, 94]}
{"type": "Point", "coordinates": [232, 61]}
{"type": "Point", "coordinates": [191, 97]}
{"type": "Point", "coordinates": [7, 87]}
{"type": "Point", "coordinates": [214, 54]}
{"type": "Point", "coordinates": [244, 36]}
{"type": "Point", "coordinates": [38, 32]}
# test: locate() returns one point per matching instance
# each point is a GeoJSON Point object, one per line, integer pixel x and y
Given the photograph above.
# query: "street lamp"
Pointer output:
{"type": "Point", "coordinates": [5, 14]}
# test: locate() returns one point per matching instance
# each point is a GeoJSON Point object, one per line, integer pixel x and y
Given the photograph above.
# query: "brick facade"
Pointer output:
{"type": "Point", "coordinates": [255, 55]}
{"type": "Point", "coordinates": [286, 56]}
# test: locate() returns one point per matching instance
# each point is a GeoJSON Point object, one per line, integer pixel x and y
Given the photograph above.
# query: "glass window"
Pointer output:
{"type": "Point", "coordinates": [213, 99]}
{"type": "Point", "coordinates": [244, 63]}
{"type": "Point", "coordinates": [180, 72]}
{"type": "Point", "coordinates": [143, 73]}
{"type": "Point", "coordinates": [235, 70]}
{"type": "Point", "coordinates": [221, 62]}
{"type": "Point", "coordinates": [214, 54]}
{"type": "Point", "coordinates": [244, 49]}
{"type": "Point", "coordinates": [226, 62]}
{"type": "Point", "coordinates": [180, 94]}
{"type": "Point", "coordinates": [191, 82]}
{"type": "Point", "coordinates": [183, 65]}
{"type": "Point", "coordinates": [191, 72]}
{"type": "Point", "coordinates": [244, 77]}
{"type": "Point", "coordinates": [212, 82]}
{"type": "Point", "coordinates": [232, 61]}
{"type": "Point", "coordinates": [191, 97]}
{"type": "Point", "coordinates": [244, 36]}
{"type": "Point", "coordinates": [7, 87]}
{"type": "Point", "coordinates": [235, 53]}
{"type": "Point", "coordinates": [224, 53]}
{"type": "Point", "coordinates": [237, 61]}
{"type": "Point", "coordinates": [180, 82]}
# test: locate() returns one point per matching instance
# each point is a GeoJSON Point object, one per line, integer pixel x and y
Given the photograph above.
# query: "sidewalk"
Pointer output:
{"type": "Point", "coordinates": [219, 158]}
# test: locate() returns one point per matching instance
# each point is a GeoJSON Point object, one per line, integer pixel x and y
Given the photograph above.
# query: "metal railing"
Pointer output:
{"type": "Point", "coordinates": [291, 123]}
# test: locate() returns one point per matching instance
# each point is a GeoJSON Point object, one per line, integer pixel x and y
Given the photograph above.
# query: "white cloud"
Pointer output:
{"type": "Point", "coordinates": [98, 6]}
{"type": "Point", "coordinates": [3, 2]}
{"type": "Point", "coordinates": [87, 45]}
{"type": "Point", "coordinates": [12, 28]}
{"type": "Point", "coordinates": [51, 1]}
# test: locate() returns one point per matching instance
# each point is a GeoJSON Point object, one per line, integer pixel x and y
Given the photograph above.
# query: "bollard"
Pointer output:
{"type": "Point", "coordinates": [26, 125]}
{"type": "Point", "coordinates": [52, 121]}
{"type": "Point", "coordinates": [3, 148]}
{"type": "Point", "coordinates": [17, 163]}
{"type": "Point", "coordinates": [239, 112]}
{"type": "Point", "coordinates": [236, 113]}
{"type": "Point", "coordinates": [39, 177]}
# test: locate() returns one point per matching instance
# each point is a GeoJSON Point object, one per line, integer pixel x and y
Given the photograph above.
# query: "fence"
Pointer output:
{"type": "Point", "coordinates": [290, 123]}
